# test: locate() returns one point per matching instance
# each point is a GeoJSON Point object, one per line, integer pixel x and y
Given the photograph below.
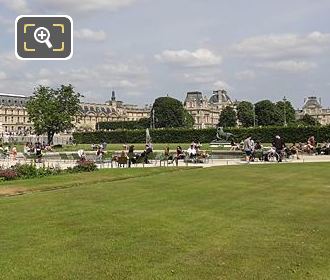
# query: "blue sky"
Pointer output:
{"type": "Point", "coordinates": [148, 48]}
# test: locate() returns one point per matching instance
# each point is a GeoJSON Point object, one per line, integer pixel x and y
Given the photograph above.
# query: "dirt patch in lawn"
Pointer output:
{"type": "Point", "coordinates": [12, 191]}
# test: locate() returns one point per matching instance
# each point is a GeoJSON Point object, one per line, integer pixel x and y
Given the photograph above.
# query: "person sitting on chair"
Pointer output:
{"type": "Point", "coordinates": [146, 152]}
{"type": "Point", "coordinates": [99, 153]}
{"type": "Point", "coordinates": [82, 155]}
{"type": "Point", "coordinates": [192, 152]}
{"type": "Point", "coordinates": [311, 144]}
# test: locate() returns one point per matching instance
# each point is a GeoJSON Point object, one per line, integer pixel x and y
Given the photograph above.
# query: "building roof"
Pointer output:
{"type": "Point", "coordinates": [194, 95]}
{"type": "Point", "coordinates": [312, 102]}
{"type": "Point", "coordinates": [220, 96]}
{"type": "Point", "coordinates": [12, 95]}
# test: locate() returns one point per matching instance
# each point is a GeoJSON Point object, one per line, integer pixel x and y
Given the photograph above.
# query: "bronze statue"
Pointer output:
{"type": "Point", "coordinates": [223, 136]}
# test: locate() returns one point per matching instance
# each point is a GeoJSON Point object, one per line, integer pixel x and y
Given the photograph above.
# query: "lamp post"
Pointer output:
{"type": "Point", "coordinates": [254, 115]}
{"type": "Point", "coordinates": [284, 106]}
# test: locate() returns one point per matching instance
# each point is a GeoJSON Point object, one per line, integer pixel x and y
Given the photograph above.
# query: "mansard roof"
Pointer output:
{"type": "Point", "coordinates": [220, 96]}
{"type": "Point", "coordinates": [194, 96]}
{"type": "Point", "coordinates": [312, 102]}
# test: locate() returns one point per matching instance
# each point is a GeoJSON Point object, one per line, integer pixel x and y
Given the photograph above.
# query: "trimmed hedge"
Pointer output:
{"type": "Point", "coordinates": [140, 124]}
{"type": "Point", "coordinates": [263, 134]}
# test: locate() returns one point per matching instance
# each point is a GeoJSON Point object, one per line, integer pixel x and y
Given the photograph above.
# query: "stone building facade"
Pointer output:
{"type": "Point", "coordinates": [13, 114]}
{"type": "Point", "coordinates": [206, 111]}
{"type": "Point", "coordinates": [313, 107]}
{"type": "Point", "coordinates": [14, 118]}
{"type": "Point", "coordinates": [113, 110]}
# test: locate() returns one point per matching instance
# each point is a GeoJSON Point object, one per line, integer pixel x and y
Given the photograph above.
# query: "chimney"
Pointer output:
{"type": "Point", "coordinates": [113, 96]}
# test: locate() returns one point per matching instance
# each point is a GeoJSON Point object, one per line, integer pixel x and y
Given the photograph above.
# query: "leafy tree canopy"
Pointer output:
{"type": "Point", "coordinates": [53, 110]}
{"type": "Point", "coordinates": [228, 117]}
{"type": "Point", "coordinates": [169, 112]}
{"type": "Point", "coordinates": [245, 113]}
{"type": "Point", "coordinates": [266, 113]}
{"type": "Point", "coordinates": [285, 111]}
{"type": "Point", "coordinates": [308, 120]}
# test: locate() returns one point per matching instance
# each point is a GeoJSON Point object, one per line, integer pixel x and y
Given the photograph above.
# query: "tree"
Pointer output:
{"type": "Point", "coordinates": [169, 112]}
{"type": "Point", "coordinates": [53, 110]}
{"type": "Point", "coordinates": [308, 120]}
{"type": "Point", "coordinates": [245, 113]}
{"type": "Point", "coordinates": [285, 114]}
{"type": "Point", "coordinates": [228, 117]}
{"type": "Point", "coordinates": [266, 113]}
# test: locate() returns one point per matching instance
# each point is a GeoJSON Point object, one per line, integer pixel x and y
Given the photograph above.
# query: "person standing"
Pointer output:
{"type": "Point", "coordinates": [14, 152]}
{"type": "Point", "coordinates": [247, 146]}
{"type": "Point", "coordinates": [38, 150]}
{"type": "Point", "coordinates": [131, 156]}
{"type": "Point", "coordinates": [279, 145]}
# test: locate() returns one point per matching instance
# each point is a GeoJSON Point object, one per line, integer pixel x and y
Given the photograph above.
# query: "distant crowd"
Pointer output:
{"type": "Point", "coordinates": [279, 149]}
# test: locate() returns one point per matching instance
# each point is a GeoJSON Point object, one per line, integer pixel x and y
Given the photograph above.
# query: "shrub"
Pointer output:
{"type": "Point", "coordinates": [83, 166]}
{"type": "Point", "coordinates": [31, 171]}
{"type": "Point", "coordinates": [26, 170]}
{"type": "Point", "coordinates": [8, 174]}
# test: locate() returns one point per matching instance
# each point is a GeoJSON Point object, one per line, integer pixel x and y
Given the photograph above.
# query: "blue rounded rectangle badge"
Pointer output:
{"type": "Point", "coordinates": [44, 37]}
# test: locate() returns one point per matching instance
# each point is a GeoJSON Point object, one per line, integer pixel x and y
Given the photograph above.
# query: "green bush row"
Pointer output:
{"type": "Point", "coordinates": [263, 134]}
{"type": "Point", "coordinates": [140, 124]}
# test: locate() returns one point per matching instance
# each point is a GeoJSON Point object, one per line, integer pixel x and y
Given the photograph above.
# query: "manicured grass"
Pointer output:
{"type": "Point", "coordinates": [239, 222]}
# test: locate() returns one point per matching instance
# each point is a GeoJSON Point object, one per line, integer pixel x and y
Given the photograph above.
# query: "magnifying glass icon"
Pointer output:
{"type": "Point", "coordinates": [42, 35]}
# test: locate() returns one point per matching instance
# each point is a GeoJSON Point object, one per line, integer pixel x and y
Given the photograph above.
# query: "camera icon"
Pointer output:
{"type": "Point", "coordinates": [44, 37]}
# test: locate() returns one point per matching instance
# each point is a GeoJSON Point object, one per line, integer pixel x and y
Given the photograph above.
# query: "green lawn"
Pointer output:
{"type": "Point", "coordinates": [239, 222]}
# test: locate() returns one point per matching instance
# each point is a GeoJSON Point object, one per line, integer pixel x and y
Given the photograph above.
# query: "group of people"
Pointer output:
{"type": "Point", "coordinates": [29, 149]}
{"type": "Point", "coordinates": [6, 151]}
{"type": "Point", "coordinates": [254, 150]}
{"type": "Point", "coordinates": [193, 152]}
{"type": "Point", "coordinates": [132, 157]}
{"type": "Point", "coordinates": [36, 149]}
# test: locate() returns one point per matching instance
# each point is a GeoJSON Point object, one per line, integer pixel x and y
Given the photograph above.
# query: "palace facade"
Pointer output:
{"type": "Point", "coordinates": [13, 114]}
{"type": "Point", "coordinates": [206, 111]}
{"type": "Point", "coordinates": [14, 118]}
{"type": "Point", "coordinates": [111, 111]}
{"type": "Point", "coordinates": [313, 107]}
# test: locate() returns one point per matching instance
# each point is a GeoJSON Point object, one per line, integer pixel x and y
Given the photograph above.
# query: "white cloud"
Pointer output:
{"type": "Point", "coordinates": [90, 35]}
{"type": "Point", "coordinates": [198, 58]}
{"type": "Point", "coordinates": [246, 75]}
{"type": "Point", "coordinates": [289, 66]}
{"type": "Point", "coordinates": [125, 76]}
{"type": "Point", "coordinates": [74, 6]}
{"type": "Point", "coordinates": [199, 78]}
{"type": "Point", "coordinates": [221, 85]}
{"type": "Point", "coordinates": [19, 6]}
{"type": "Point", "coordinates": [284, 45]}
{"type": "Point", "coordinates": [9, 61]}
